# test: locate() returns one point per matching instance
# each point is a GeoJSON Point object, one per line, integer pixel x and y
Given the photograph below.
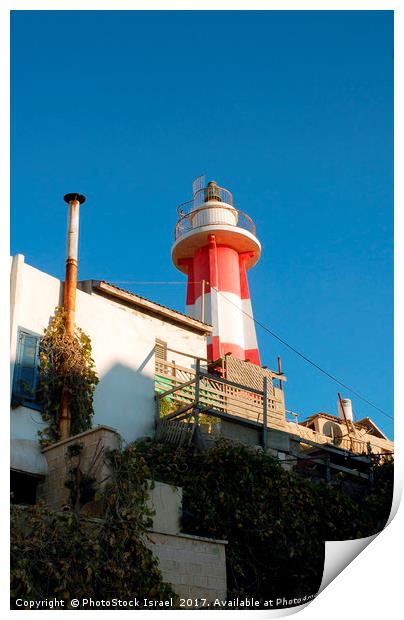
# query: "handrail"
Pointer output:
{"type": "Point", "coordinates": [179, 387]}
{"type": "Point", "coordinates": [347, 443]}
{"type": "Point", "coordinates": [195, 357]}
{"type": "Point", "coordinates": [242, 220]}
{"type": "Point", "coordinates": [225, 399]}
{"type": "Point", "coordinates": [200, 198]}
{"type": "Point", "coordinates": [208, 375]}
{"type": "Point", "coordinates": [204, 193]}
{"type": "Point", "coordinates": [232, 383]}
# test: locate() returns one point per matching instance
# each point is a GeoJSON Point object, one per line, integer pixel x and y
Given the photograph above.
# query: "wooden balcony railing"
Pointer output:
{"type": "Point", "coordinates": [347, 442]}
{"type": "Point", "coordinates": [188, 389]}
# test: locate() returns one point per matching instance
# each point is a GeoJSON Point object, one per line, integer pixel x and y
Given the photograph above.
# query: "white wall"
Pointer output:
{"type": "Point", "coordinates": [34, 296]}
{"type": "Point", "coordinates": [123, 342]}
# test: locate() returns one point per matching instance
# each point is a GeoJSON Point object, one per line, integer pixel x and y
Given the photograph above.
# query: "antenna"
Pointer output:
{"type": "Point", "coordinates": [198, 184]}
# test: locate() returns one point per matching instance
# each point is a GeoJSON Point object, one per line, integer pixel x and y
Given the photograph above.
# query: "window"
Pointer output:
{"type": "Point", "coordinates": [333, 430]}
{"type": "Point", "coordinates": [23, 487]}
{"type": "Point", "coordinates": [25, 381]}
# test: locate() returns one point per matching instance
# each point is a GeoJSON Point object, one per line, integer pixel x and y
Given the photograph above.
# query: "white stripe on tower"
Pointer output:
{"type": "Point", "coordinates": [250, 337]}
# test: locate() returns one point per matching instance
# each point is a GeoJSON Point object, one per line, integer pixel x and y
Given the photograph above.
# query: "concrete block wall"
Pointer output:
{"type": "Point", "coordinates": [95, 443]}
{"type": "Point", "coordinates": [195, 566]}
{"type": "Point", "coordinates": [240, 432]}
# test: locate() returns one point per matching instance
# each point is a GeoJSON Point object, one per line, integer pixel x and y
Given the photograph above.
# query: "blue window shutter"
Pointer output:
{"type": "Point", "coordinates": [26, 366]}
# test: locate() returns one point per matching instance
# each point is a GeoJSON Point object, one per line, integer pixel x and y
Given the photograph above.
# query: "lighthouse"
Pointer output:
{"type": "Point", "coordinates": [215, 245]}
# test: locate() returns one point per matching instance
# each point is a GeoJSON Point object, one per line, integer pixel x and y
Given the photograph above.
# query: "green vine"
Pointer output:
{"type": "Point", "coordinates": [65, 362]}
{"type": "Point", "coordinates": [168, 406]}
{"type": "Point", "coordinates": [275, 521]}
{"type": "Point", "coordinates": [71, 555]}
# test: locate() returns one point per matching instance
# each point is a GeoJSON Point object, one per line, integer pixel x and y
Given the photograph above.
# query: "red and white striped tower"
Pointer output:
{"type": "Point", "coordinates": [215, 245]}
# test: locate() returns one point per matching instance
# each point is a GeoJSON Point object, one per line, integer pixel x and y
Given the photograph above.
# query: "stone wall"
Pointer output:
{"type": "Point", "coordinates": [195, 566]}
{"type": "Point", "coordinates": [95, 442]}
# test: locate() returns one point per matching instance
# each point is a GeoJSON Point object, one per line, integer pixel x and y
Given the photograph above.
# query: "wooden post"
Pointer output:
{"type": "Point", "coordinates": [174, 374]}
{"type": "Point", "coordinates": [197, 381]}
{"type": "Point", "coordinates": [265, 414]}
{"type": "Point", "coordinates": [197, 391]}
{"type": "Point", "coordinates": [157, 397]}
{"type": "Point", "coordinates": [370, 469]}
{"type": "Point", "coordinates": [280, 371]}
{"type": "Point", "coordinates": [203, 302]}
{"type": "Point", "coordinates": [327, 469]}
{"type": "Point", "coordinates": [371, 474]}
{"type": "Point", "coordinates": [195, 424]}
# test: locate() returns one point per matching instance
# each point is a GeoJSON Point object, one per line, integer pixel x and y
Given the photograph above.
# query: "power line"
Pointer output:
{"type": "Point", "coordinates": [150, 282]}
{"type": "Point", "coordinates": [307, 359]}
{"type": "Point", "coordinates": [272, 333]}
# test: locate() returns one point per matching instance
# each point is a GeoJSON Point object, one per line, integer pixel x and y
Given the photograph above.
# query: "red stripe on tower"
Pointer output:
{"type": "Point", "coordinates": [215, 244]}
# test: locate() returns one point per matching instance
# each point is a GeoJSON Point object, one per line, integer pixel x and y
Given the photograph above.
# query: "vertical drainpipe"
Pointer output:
{"type": "Point", "coordinates": [69, 295]}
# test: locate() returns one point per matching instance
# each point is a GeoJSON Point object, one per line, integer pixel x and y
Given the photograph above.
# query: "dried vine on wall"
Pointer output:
{"type": "Point", "coordinates": [65, 362]}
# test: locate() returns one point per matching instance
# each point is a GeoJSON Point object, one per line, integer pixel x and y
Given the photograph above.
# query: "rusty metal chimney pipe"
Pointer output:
{"type": "Point", "coordinates": [69, 294]}
{"type": "Point", "coordinates": [69, 291]}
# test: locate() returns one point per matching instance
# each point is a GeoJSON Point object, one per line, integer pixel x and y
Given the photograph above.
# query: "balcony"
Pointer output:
{"type": "Point", "coordinates": [240, 394]}
{"type": "Point", "coordinates": [191, 396]}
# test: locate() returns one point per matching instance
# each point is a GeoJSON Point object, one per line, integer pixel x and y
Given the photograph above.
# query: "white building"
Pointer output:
{"type": "Point", "coordinates": [140, 347]}
{"type": "Point", "coordinates": [123, 328]}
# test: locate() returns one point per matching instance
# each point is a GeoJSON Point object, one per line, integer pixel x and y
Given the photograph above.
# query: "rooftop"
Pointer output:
{"type": "Point", "coordinates": [365, 423]}
{"type": "Point", "coordinates": [111, 290]}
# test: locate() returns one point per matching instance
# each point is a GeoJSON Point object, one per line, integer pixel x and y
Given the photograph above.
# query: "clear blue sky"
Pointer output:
{"type": "Point", "coordinates": [290, 110]}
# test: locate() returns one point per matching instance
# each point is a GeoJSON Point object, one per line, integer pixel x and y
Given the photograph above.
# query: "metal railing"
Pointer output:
{"type": "Point", "coordinates": [219, 194]}
{"type": "Point", "coordinates": [212, 193]}
{"type": "Point", "coordinates": [211, 205]}
{"type": "Point", "coordinates": [215, 215]}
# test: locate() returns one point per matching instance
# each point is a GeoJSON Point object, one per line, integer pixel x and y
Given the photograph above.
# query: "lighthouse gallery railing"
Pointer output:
{"type": "Point", "coordinates": [218, 215]}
